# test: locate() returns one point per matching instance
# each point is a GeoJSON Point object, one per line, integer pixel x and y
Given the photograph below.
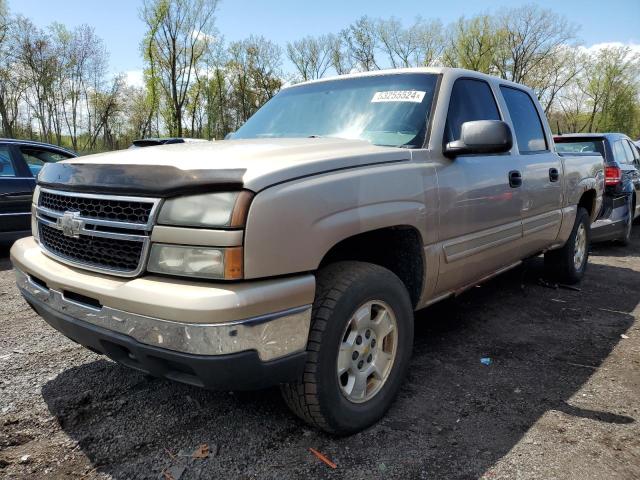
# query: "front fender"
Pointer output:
{"type": "Point", "coordinates": [291, 227]}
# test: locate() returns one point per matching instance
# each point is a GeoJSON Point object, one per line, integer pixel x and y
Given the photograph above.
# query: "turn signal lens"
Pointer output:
{"type": "Point", "coordinates": [197, 262]}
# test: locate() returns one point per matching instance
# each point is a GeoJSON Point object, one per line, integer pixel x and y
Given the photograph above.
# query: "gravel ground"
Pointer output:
{"type": "Point", "coordinates": [560, 399]}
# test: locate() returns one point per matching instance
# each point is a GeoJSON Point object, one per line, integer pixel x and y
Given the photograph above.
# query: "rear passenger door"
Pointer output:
{"type": "Point", "coordinates": [541, 170]}
{"type": "Point", "coordinates": [479, 224]}
{"type": "Point", "coordinates": [16, 190]}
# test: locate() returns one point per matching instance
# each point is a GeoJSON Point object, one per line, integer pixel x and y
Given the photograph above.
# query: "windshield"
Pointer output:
{"type": "Point", "coordinates": [389, 110]}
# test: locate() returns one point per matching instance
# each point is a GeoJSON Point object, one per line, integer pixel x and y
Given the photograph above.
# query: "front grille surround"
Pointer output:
{"type": "Point", "coordinates": [93, 239]}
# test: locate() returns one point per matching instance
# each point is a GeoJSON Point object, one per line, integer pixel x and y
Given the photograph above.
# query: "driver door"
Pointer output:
{"type": "Point", "coordinates": [480, 223]}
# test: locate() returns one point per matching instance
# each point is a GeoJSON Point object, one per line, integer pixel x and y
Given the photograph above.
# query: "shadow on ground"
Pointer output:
{"type": "Point", "coordinates": [454, 417]}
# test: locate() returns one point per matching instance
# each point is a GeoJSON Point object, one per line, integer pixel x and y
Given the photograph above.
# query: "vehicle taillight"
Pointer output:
{"type": "Point", "coordinates": [612, 175]}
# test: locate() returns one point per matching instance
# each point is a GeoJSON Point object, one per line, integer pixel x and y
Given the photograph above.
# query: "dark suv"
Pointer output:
{"type": "Point", "coordinates": [622, 180]}
{"type": "Point", "coordinates": [20, 162]}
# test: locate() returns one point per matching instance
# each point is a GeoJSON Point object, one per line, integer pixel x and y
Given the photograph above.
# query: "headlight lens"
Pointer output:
{"type": "Point", "coordinates": [223, 209]}
{"type": "Point", "coordinates": [200, 262]}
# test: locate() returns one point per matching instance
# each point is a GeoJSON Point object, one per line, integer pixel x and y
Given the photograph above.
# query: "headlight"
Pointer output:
{"type": "Point", "coordinates": [200, 262]}
{"type": "Point", "coordinates": [224, 209]}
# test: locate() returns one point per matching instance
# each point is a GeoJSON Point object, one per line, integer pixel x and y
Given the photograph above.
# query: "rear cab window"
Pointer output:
{"type": "Point", "coordinates": [525, 119]}
{"type": "Point", "coordinates": [471, 99]}
{"type": "Point", "coordinates": [576, 145]}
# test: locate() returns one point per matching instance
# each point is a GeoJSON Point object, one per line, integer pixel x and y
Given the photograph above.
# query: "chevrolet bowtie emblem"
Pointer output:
{"type": "Point", "coordinates": [70, 224]}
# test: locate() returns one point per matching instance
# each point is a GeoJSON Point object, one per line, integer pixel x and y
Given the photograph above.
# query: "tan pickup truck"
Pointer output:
{"type": "Point", "coordinates": [296, 252]}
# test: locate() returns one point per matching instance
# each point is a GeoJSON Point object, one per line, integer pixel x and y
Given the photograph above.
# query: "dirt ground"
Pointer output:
{"type": "Point", "coordinates": [560, 399]}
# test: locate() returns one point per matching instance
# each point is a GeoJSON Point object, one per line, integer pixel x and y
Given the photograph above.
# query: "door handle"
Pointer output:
{"type": "Point", "coordinates": [515, 179]}
{"type": "Point", "coordinates": [554, 175]}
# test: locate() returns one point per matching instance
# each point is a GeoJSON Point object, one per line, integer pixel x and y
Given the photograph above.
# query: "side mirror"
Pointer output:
{"type": "Point", "coordinates": [481, 136]}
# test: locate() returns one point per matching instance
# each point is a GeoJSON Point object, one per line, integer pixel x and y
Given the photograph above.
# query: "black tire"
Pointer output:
{"type": "Point", "coordinates": [341, 289]}
{"type": "Point", "coordinates": [628, 225]}
{"type": "Point", "coordinates": [560, 263]}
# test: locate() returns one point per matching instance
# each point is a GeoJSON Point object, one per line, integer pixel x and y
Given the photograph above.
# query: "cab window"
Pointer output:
{"type": "Point", "coordinates": [37, 157]}
{"type": "Point", "coordinates": [526, 121]}
{"type": "Point", "coordinates": [471, 100]}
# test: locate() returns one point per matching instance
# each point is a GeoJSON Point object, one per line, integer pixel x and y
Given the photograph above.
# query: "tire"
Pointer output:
{"type": "Point", "coordinates": [561, 263]}
{"type": "Point", "coordinates": [628, 227]}
{"type": "Point", "coordinates": [321, 397]}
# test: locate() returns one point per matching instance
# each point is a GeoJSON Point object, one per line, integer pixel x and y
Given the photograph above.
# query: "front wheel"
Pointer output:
{"type": "Point", "coordinates": [568, 264]}
{"type": "Point", "coordinates": [358, 350]}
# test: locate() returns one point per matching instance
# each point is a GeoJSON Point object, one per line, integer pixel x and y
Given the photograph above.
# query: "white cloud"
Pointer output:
{"type": "Point", "coordinates": [134, 78]}
{"type": "Point", "coordinates": [634, 47]}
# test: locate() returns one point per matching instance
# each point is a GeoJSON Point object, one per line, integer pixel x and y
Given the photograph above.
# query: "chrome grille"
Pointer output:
{"type": "Point", "coordinates": [103, 233]}
{"type": "Point", "coordinates": [116, 210]}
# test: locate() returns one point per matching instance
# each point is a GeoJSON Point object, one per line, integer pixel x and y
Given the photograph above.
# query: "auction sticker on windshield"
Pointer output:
{"type": "Point", "coordinates": [413, 96]}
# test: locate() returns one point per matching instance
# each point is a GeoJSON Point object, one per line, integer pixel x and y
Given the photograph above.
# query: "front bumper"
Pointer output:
{"type": "Point", "coordinates": [259, 324]}
{"type": "Point", "coordinates": [236, 371]}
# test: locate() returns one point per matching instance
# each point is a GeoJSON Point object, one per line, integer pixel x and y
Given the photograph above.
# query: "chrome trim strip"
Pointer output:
{"type": "Point", "coordinates": [474, 243]}
{"type": "Point", "coordinates": [272, 336]}
{"type": "Point", "coordinates": [96, 221]}
{"type": "Point", "coordinates": [92, 233]}
{"type": "Point", "coordinates": [16, 213]}
{"type": "Point", "coordinates": [152, 214]}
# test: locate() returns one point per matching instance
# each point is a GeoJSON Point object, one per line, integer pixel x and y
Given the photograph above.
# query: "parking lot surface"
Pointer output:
{"type": "Point", "coordinates": [559, 399]}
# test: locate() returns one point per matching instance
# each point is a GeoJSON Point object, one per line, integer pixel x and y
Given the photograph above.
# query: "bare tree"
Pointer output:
{"type": "Point", "coordinates": [179, 32]}
{"type": "Point", "coordinates": [361, 40]}
{"type": "Point", "coordinates": [420, 44]}
{"type": "Point", "coordinates": [311, 56]}
{"type": "Point", "coordinates": [341, 59]}
{"type": "Point", "coordinates": [529, 36]}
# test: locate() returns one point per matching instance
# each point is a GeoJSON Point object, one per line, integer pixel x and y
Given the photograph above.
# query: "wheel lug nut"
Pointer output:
{"type": "Point", "coordinates": [373, 343]}
{"type": "Point", "coordinates": [354, 355]}
{"type": "Point", "coordinates": [367, 333]}
{"type": "Point", "coordinates": [369, 358]}
{"type": "Point", "coordinates": [358, 339]}
{"type": "Point", "coordinates": [360, 364]}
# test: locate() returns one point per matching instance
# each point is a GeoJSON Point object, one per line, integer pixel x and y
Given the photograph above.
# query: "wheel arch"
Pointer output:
{"type": "Point", "coordinates": [399, 249]}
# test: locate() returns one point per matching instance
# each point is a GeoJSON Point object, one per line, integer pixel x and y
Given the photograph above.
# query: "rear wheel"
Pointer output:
{"type": "Point", "coordinates": [358, 351]}
{"type": "Point", "coordinates": [628, 226]}
{"type": "Point", "coordinates": [568, 264]}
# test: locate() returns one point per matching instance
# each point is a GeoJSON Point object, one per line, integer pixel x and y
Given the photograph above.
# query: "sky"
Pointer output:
{"type": "Point", "coordinates": [117, 22]}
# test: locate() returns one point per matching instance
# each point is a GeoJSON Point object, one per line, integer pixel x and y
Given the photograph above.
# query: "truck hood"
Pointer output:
{"type": "Point", "coordinates": [256, 164]}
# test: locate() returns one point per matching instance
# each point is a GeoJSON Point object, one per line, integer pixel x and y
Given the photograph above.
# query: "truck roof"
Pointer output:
{"type": "Point", "coordinates": [448, 71]}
